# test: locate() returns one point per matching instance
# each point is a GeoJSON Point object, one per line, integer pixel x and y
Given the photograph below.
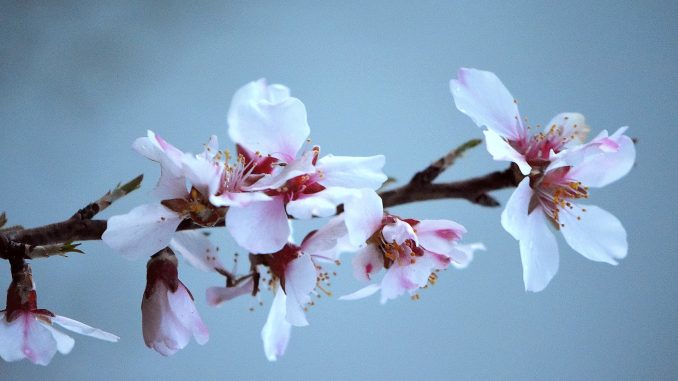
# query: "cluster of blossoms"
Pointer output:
{"type": "Point", "coordinates": [276, 176]}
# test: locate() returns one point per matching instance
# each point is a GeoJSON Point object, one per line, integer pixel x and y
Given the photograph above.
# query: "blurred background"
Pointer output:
{"type": "Point", "coordinates": [80, 81]}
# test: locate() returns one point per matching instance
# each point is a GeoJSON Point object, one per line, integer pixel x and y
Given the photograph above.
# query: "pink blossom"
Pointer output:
{"type": "Point", "coordinates": [169, 316]}
{"type": "Point", "coordinates": [268, 124]}
{"type": "Point", "coordinates": [410, 251]}
{"type": "Point", "coordinates": [28, 332]}
{"type": "Point", "coordinates": [561, 169]}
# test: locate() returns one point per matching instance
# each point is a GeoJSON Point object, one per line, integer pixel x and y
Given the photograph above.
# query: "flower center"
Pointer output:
{"type": "Point", "coordinates": [555, 190]}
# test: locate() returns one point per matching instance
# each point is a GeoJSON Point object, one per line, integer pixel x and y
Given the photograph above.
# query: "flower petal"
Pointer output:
{"type": "Point", "coordinates": [439, 236]}
{"type": "Point", "coordinates": [26, 338]}
{"type": "Point", "coordinates": [397, 281]}
{"type": "Point", "coordinates": [142, 232]}
{"type": "Point", "coordinates": [300, 280]}
{"type": "Point", "coordinates": [366, 262]}
{"type": "Point", "coordinates": [264, 118]}
{"type": "Point", "coordinates": [238, 198]}
{"type": "Point", "coordinates": [399, 232]}
{"type": "Point", "coordinates": [161, 329]}
{"type": "Point", "coordinates": [84, 329]}
{"type": "Point", "coordinates": [182, 305]}
{"type": "Point", "coordinates": [538, 252]}
{"type": "Point", "coordinates": [276, 332]}
{"type": "Point", "coordinates": [500, 149]}
{"type": "Point", "coordinates": [197, 250]}
{"type": "Point", "coordinates": [204, 175]}
{"type": "Point", "coordinates": [515, 214]}
{"type": "Point", "coordinates": [571, 125]}
{"type": "Point", "coordinates": [217, 295]}
{"type": "Point", "coordinates": [598, 235]}
{"type": "Point", "coordinates": [481, 95]}
{"type": "Point", "coordinates": [260, 227]}
{"type": "Point", "coordinates": [603, 167]}
{"type": "Point", "coordinates": [327, 242]}
{"type": "Point", "coordinates": [352, 172]}
{"type": "Point", "coordinates": [362, 293]}
{"type": "Point", "coordinates": [363, 213]}
{"type": "Point", "coordinates": [64, 342]}
{"type": "Point", "coordinates": [462, 255]}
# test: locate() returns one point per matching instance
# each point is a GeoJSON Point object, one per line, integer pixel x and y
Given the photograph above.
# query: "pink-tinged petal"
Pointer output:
{"type": "Point", "coordinates": [162, 331]}
{"type": "Point", "coordinates": [204, 175]}
{"type": "Point", "coordinates": [396, 282]}
{"type": "Point", "coordinates": [438, 236]}
{"type": "Point", "coordinates": [142, 232]}
{"type": "Point", "coordinates": [366, 262]}
{"type": "Point", "coordinates": [197, 250]}
{"type": "Point", "coordinates": [211, 148]}
{"type": "Point", "coordinates": [182, 306]}
{"type": "Point", "coordinates": [399, 232]}
{"type": "Point", "coordinates": [352, 172]}
{"type": "Point", "coordinates": [26, 338]}
{"type": "Point", "coordinates": [538, 251]}
{"type": "Point", "coordinates": [84, 329]}
{"type": "Point", "coordinates": [276, 332]}
{"type": "Point", "coordinates": [596, 233]}
{"type": "Point", "coordinates": [325, 244]}
{"type": "Point", "coordinates": [364, 292]}
{"type": "Point", "coordinates": [481, 95]}
{"type": "Point", "coordinates": [64, 343]}
{"type": "Point", "coordinates": [294, 168]}
{"type": "Point", "coordinates": [157, 149]}
{"type": "Point", "coordinates": [462, 255]}
{"type": "Point", "coordinates": [514, 217]}
{"type": "Point", "coordinates": [571, 125]}
{"type": "Point", "coordinates": [260, 227]}
{"type": "Point", "coordinates": [241, 199]}
{"type": "Point", "coordinates": [266, 119]}
{"type": "Point", "coordinates": [363, 213]}
{"type": "Point", "coordinates": [217, 295]}
{"type": "Point", "coordinates": [300, 280]}
{"type": "Point", "coordinates": [501, 150]}
{"type": "Point", "coordinates": [605, 167]}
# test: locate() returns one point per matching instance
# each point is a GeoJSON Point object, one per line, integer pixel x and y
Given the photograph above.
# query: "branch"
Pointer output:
{"type": "Point", "coordinates": [439, 166]}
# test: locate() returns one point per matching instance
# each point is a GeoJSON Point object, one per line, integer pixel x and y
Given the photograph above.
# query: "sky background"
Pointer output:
{"type": "Point", "coordinates": [79, 82]}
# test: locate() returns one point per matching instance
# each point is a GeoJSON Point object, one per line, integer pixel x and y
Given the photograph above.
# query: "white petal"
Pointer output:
{"type": "Point", "coordinates": [157, 149]}
{"type": "Point", "coordinates": [438, 236]}
{"type": "Point", "coordinates": [276, 331]}
{"type": "Point", "coordinates": [170, 186]}
{"type": "Point", "coordinates": [26, 338]}
{"type": "Point", "coordinates": [481, 95]}
{"type": "Point", "coordinates": [514, 217]}
{"type": "Point", "coordinates": [64, 342]}
{"type": "Point", "coordinates": [260, 227]}
{"type": "Point", "coordinates": [315, 205]}
{"type": "Point", "coordinates": [366, 262]}
{"type": "Point", "coordinates": [399, 232]}
{"type": "Point", "coordinates": [363, 214]}
{"type": "Point", "coordinates": [325, 243]}
{"type": "Point", "coordinates": [352, 172]}
{"type": "Point", "coordinates": [364, 292]}
{"type": "Point", "coordinates": [217, 295]}
{"type": "Point", "coordinates": [500, 149]}
{"type": "Point", "coordinates": [142, 232]}
{"type": "Point", "coordinates": [462, 255]}
{"type": "Point", "coordinates": [266, 119]}
{"type": "Point", "coordinates": [300, 280]}
{"type": "Point", "coordinates": [197, 250]}
{"type": "Point", "coordinates": [604, 167]}
{"type": "Point", "coordinates": [84, 329]}
{"type": "Point", "coordinates": [598, 235]}
{"type": "Point", "coordinates": [182, 305]}
{"type": "Point", "coordinates": [396, 282]}
{"type": "Point", "coordinates": [241, 199]}
{"type": "Point", "coordinates": [204, 175]}
{"type": "Point", "coordinates": [538, 251]}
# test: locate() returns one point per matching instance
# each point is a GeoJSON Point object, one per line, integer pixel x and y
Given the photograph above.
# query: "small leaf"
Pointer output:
{"type": "Point", "coordinates": [3, 219]}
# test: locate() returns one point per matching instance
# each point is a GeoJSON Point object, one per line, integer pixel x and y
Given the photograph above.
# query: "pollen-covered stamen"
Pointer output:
{"type": "Point", "coordinates": [555, 192]}
{"type": "Point", "coordinates": [404, 253]}
{"type": "Point", "coordinates": [537, 148]}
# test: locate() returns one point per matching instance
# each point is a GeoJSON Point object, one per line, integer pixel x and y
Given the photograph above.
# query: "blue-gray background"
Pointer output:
{"type": "Point", "coordinates": [80, 82]}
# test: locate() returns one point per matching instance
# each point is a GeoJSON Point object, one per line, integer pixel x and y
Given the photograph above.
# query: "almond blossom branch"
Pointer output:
{"type": "Point", "coordinates": [78, 229]}
{"type": "Point", "coordinates": [430, 173]}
